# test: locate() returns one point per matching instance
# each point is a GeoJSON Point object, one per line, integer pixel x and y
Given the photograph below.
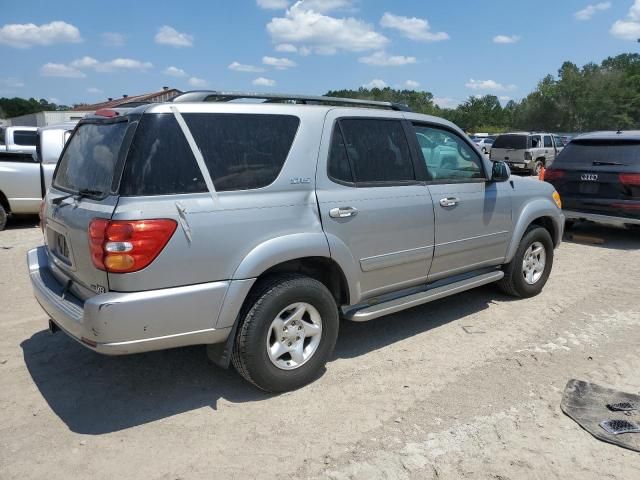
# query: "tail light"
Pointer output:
{"type": "Point", "coordinates": [551, 174]}
{"type": "Point", "coordinates": [41, 215]}
{"type": "Point", "coordinates": [631, 179]}
{"type": "Point", "coordinates": [123, 246]}
{"type": "Point", "coordinates": [527, 156]}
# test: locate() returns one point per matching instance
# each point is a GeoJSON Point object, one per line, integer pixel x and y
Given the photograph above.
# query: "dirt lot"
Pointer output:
{"type": "Point", "coordinates": [467, 387]}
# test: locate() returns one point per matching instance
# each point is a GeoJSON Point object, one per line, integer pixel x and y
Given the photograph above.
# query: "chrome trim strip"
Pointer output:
{"type": "Point", "coordinates": [473, 238]}
{"type": "Point", "coordinates": [394, 259]}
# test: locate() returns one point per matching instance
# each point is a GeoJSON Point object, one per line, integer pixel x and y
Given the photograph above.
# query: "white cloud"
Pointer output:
{"type": "Point", "coordinates": [488, 85]}
{"type": "Point", "coordinates": [413, 28]}
{"type": "Point", "coordinates": [411, 84]}
{"type": "Point", "coordinates": [55, 100]}
{"type": "Point", "coordinates": [273, 4]}
{"type": "Point", "coordinates": [25, 35]}
{"type": "Point", "coordinates": [382, 59]}
{"type": "Point", "coordinates": [445, 102]}
{"type": "Point", "coordinates": [94, 90]}
{"type": "Point", "coordinates": [175, 72]}
{"type": "Point", "coordinates": [11, 82]}
{"type": "Point", "coordinates": [122, 64]}
{"type": "Point", "coordinates": [278, 63]}
{"type": "Point", "coordinates": [375, 83]}
{"type": "Point", "coordinates": [264, 82]}
{"type": "Point", "coordinates": [60, 70]}
{"type": "Point", "coordinates": [505, 39]}
{"type": "Point", "coordinates": [628, 29]}
{"type": "Point", "coordinates": [286, 47]}
{"type": "Point", "coordinates": [113, 39]}
{"type": "Point", "coordinates": [241, 67]}
{"type": "Point", "coordinates": [590, 10]}
{"type": "Point", "coordinates": [197, 82]}
{"type": "Point", "coordinates": [323, 34]}
{"type": "Point", "coordinates": [170, 36]}
{"type": "Point", "coordinates": [504, 98]}
{"type": "Point", "coordinates": [324, 6]}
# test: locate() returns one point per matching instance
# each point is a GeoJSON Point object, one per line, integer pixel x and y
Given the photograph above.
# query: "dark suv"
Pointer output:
{"type": "Point", "coordinates": [598, 177]}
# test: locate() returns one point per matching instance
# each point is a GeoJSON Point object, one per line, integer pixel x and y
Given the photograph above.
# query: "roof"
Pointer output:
{"type": "Point", "coordinates": [610, 135]}
{"type": "Point", "coordinates": [163, 95]}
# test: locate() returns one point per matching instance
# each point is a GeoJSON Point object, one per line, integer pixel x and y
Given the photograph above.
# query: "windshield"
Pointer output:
{"type": "Point", "coordinates": [515, 142]}
{"type": "Point", "coordinates": [90, 159]}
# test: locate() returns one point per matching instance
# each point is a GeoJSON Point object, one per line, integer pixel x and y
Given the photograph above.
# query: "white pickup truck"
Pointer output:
{"type": "Point", "coordinates": [25, 176]}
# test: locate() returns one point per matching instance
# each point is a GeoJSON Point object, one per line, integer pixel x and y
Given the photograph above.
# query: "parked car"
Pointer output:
{"type": "Point", "coordinates": [18, 139]}
{"type": "Point", "coordinates": [26, 176]}
{"type": "Point", "coordinates": [484, 144]}
{"type": "Point", "coordinates": [253, 228]}
{"type": "Point", "coordinates": [525, 152]}
{"type": "Point", "coordinates": [598, 176]}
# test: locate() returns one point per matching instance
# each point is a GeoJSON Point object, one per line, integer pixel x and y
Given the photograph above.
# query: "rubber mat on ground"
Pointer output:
{"type": "Point", "coordinates": [586, 403]}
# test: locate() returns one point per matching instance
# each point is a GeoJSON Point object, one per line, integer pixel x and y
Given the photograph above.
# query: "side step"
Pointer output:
{"type": "Point", "coordinates": [375, 311]}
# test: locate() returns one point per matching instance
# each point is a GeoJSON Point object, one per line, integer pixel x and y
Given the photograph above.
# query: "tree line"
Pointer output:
{"type": "Point", "coordinates": [594, 97]}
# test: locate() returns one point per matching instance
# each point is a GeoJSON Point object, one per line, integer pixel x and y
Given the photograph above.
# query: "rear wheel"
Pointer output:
{"type": "Point", "coordinates": [538, 167]}
{"type": "Point", "coordinates": [528, 271]}
{"type": "Point", "coordinates": [3, 218]}
{"type": "Point", "coordinates": [288, 333]}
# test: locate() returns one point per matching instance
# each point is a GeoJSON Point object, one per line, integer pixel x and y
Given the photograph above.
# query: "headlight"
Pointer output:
{"type": "Point", "coordinates": [556, 198]}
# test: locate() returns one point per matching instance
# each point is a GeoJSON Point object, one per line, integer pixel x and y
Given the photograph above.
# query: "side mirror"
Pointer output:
{"type": "Point", "coordinates": [500, 172]}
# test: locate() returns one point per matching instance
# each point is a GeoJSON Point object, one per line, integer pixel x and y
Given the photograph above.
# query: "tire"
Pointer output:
{"type": "Point", "coordinates": [3, 218]}
{"type": "Point", "coordinates": [514, 282]}
{"type": "Point", "coordinates": [538, 168]}
{"type": "Point", "coordinates": [277, 298]}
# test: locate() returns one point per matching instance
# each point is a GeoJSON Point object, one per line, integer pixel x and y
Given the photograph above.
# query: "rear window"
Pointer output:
{"type": "Point", "coordinates": [589, 152]}
{"type": "Point", "coordinates": [515, 142]}
{"type": "Point", "coordinates": [242, 152]}
{"type": "Point", "coordinates": [90, 159]}
{"type": "Point", "coordinates": [25, 138]}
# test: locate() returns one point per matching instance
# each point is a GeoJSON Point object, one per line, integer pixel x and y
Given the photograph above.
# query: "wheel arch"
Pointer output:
{"type": "Point", "coordinates": [541, 212]}
{"type": "Point", "coordinates": [4, 202]}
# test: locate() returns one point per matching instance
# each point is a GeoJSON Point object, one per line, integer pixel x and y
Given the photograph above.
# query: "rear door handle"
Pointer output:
{"type": "Point", "coordinates": [449, 201]}
{"type": "Point", "coordinates": [343, 212]}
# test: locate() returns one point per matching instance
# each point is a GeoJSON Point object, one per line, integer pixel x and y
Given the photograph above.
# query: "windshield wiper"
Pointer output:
{"type": "Point", "coordinates": [599, 163]}
{"type": "Point", "coordinates": [82, 193]}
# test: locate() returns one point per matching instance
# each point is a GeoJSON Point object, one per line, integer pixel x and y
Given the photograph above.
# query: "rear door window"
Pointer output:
{"type": "Point", "coordinates": [547, 142]}
{"type": "Point", "coordinates": [25, 138]}
{"type": "Point", "coordinates": [535, 141]}
{"type": "Point", "coordinates": [241, 151]}
{"type": "Point", "coordinates": [511, 142]}
{"type": "Point", "coordinates": [378, 150]}
{"type": "Point", "coordinates": [90, 159]}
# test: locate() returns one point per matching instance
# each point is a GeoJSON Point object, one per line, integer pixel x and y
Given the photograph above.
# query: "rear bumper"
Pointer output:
{"type": "Point", "coordinates": [600, 218]}
{"type": "Point", "coordinates": [121, 323]}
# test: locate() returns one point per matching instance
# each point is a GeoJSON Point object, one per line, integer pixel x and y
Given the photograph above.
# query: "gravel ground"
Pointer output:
{"type": "Point", "coordinates": [466, 387]}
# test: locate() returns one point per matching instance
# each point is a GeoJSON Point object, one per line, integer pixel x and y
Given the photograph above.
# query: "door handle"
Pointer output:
{"type": "Point", "coordinates": [343, 212]}
{"type": "Point", "coordinates": [449, 201]}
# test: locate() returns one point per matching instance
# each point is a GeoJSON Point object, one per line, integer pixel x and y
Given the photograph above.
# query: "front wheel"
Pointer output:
{"type": "Point", "coordinates": [288, 333]}
{"type": "Point", "coordinates": [538, 168]}
{"type": "Point", "coordinates": [527, 273]}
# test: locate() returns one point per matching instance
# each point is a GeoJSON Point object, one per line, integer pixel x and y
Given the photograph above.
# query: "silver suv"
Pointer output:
{"type": "Point", "coordinates": [526, 152]}
{"type": "Point", "coordinates": [253, 228]}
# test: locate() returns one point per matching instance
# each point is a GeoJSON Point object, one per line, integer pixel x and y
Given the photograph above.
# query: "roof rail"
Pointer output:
{"type": "Point", "coordinates": [219, 96]}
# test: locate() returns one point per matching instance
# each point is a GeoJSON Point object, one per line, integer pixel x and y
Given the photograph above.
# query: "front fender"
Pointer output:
{"type": "Point", "coordinates": [533, 210]}
{"type": "Point", "coordinates": [279, 250]}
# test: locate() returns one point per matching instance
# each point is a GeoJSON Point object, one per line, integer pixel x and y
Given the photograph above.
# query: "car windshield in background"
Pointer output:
{"type": "Point", "coordinates": [515, 142]}
{"type": "Point", "coordinates": [606, 152]}
{"type": "Point", "coordinates": [90, 159]}
{"type": "Point", "coordinates": [25, 138]}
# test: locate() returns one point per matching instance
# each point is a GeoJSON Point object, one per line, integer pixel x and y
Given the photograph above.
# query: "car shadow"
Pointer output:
{"type": "Point", "coordinates": [94, 394]}
{"type": "Point", "coordinates": [17, 222]}
{"type": "Point", "coordinates": [603, 236]}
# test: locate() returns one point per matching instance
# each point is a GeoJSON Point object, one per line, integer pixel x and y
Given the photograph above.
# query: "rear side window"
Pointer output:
{"type": "Point", "coordinates": [241, 151]}
{"type": "Point", "coordinates": [90, 159]}
{"type": "Point", "coordinates": [607, 152]}
{"type": "Point", "coordinates": [547, 142]}
{"type": "Point", "coordinates": [377, 150]}
{"type": "Point", "coordinates": [535, 141]}
{"type": "Point", "coordinates": [515, 142]}
{"type": "Point", "coordinates": [339, 167]}
{"type": "Point", "coordinates": [25, 138]}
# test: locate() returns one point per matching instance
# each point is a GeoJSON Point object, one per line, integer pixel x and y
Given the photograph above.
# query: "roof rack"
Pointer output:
{"type": "Point", "coordinates": [218, 96]}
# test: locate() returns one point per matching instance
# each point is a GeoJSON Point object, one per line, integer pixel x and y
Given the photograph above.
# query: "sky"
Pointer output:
{"type": "Point", "coordinates": [72, 51]}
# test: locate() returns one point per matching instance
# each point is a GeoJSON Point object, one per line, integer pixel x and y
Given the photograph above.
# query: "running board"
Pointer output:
{"type": "Point", "coordinates": [375, 311]}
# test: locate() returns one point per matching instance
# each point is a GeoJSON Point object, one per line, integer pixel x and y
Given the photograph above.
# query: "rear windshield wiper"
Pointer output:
{"type": "Point", "coordinates": [600, 163]}
{"type": "Point", "coordinates": [82, 193]}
